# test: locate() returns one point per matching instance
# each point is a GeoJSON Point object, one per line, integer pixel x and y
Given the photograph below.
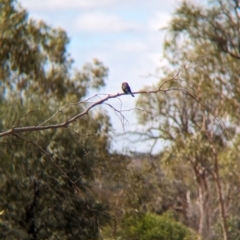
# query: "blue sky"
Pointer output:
{"type": "Point", "coordinates": [124, 35]}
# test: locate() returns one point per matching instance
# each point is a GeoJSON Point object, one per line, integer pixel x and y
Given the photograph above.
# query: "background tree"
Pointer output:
{"type": "Point", "coordinates": [48, 188]}
{"type": "Point", "coordinates": [201, 136]}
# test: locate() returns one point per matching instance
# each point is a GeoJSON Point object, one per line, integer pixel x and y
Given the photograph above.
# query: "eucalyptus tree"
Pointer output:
{"type": "Point", "coordinates": [198, 115]}
{"type": "Point", "coordinates": [47, 176]}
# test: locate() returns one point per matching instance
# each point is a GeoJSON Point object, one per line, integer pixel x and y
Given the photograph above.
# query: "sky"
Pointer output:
{"type": "Point", "coordinates": [124, 35]}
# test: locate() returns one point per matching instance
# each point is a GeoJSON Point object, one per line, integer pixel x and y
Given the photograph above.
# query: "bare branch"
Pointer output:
{"type": "Point", "coordinates": [18, 120]}
{"type": "Point", "coordinates": [65, 124]}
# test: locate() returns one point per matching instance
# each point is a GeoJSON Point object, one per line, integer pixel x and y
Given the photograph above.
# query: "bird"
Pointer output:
{"type": "Point", "coordinates": [126, 88]}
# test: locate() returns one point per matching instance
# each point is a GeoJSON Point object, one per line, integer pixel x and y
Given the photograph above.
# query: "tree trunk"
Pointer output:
{"type": "Point", "coordinates": [203, 203]}
{"type": "Point", "coordinates": [216, 177]}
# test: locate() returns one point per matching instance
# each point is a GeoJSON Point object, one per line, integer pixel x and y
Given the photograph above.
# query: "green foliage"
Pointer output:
{"type": "Point", "coordinates": [233, 229]}
{"type": "Point", "coordinates": [47, 178]}
{"type": "Point", "coordinates": [150, 226]}
{"type": "Point", "coordinates": [34, 60]}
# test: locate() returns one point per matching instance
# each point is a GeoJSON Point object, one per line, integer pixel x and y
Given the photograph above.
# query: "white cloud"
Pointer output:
{"type": "Point", "coordinates": [66, 4]}
{"type": "Point", "coordinates": [101, 22]}
{"type": "Point", "coordinates": [159, 20]}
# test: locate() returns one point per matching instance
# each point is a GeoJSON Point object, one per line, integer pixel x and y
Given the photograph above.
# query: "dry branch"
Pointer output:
{"type": "Point", "coordinates": [16, 130]}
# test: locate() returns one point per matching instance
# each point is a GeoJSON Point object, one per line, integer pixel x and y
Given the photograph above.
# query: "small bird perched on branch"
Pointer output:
{"type": "Point", "coordinates": [126, 88]}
